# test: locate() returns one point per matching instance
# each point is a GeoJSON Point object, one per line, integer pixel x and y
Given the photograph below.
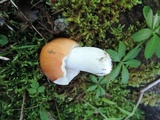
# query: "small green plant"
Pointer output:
{"type": "Point", "coordinates": [152, 33]}
{"type": "Point", "coordinates": [124, 60]}
{"type": "Point", "coordinates": [97, 86]}
{"type": "Point", "coordinates": [35, 88]}
{"type": "Point", "coordinates": [3, 40]}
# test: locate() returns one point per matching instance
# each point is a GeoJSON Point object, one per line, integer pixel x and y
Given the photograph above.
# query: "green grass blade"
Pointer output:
{"type": "Point", "coordinates": [124, 111]}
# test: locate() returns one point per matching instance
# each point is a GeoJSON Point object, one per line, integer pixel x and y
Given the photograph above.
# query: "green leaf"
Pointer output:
{"type": "Point", "coordinates": [32, 91]}
{"type": "Point", "coordinates": [98, 92]}
{"type": "Point", "coordinates": [121, 50]}
{"type": "Point", "coordinates": [43, 114]}
{"type": "Point", "coordinates": [3, 40]}
{"type": "Point", "coordinates": [93, 78]}
{"type": "Point", "coordinates": [142, 35]}
{"type": "Point", "coordinates": [150, 47]}
{"type": "Point", "coordinates": [157, 30]}
{"type": "Point", "coordinates": [148, 15]}
{"type": "Point", "coordinates": [114, 55]}
{"type": "Point", "coordinates": [104, 81]}
{"type": "Point", "coordinates": [133, 63]}
{"type": "Point", "coordinates": [108, 101]}
{"type": "Point", "coordinates": [115, 72]}
{"type": "Point", "coordinates": [92, 88]}
{"type": "Point", "coordinates": [35, 84]}
{"type": "Point", "coordinates": [156, 21]}
{"type": "Point", "coordinates": [41, 89]}
{"type": "Point", "coordinates": [125, 75]}
{"type": "Point", "coordinates": [132, 54]}
{"type": "Point", "coordinates": [103, 92]}
{"type": "Point", "coordinates": [157, 50]}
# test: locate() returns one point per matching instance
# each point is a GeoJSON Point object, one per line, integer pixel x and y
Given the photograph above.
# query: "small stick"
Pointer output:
{"type": "Point", "coordinates": [141, 96]}
{"type": "Point", "coordinates": [22, 108]}
{"type": "Point", "coordinates": [27, 19]}
{"type": "Point", "coordinates": [150, 85]}
{"type": "Point", "coordinates": [2, 1]}
{"type": "Point", "coordinates": [4, 58]}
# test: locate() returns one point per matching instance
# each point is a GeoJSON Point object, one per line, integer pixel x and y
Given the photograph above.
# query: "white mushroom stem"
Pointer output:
{"type": "Point", "coordinates": [89, 59]}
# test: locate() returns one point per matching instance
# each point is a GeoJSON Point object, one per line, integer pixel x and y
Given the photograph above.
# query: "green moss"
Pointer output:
{"type": "Point", "coordinates": [151, 98]}
{"type": "Point", "coordinates": [89, 21]}
{"type": "Point", "coordinates": [143, 74]}
{"type": "Point", "coordinates": [86, 106]}
{"type": "Point", "coordinates": [141, 77]}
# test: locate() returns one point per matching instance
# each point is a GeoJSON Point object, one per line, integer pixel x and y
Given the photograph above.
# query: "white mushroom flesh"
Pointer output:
{"type": "Point", "coordinates": [89, 59]}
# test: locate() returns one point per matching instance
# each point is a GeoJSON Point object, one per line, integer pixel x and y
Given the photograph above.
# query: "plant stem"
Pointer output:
{"type": "Point", "coordinates": [27, 19]}
{"type": "Point", "coordinates": [97, 110]}
{"type": "Point", "coordinates": [58, 112]}
{"type": "Point", "coordinates": [141, 96]}
{"type": "Point", "coordinates": [22, 108]}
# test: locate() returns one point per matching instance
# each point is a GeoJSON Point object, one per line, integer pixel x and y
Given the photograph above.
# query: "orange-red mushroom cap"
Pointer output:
{"type": "Point", "coordinates": [53, 55]}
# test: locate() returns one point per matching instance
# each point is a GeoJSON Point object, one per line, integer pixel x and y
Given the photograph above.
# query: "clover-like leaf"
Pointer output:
{"type": "Point", "coordinates": [35, 84]}
{"type": "Point", "coordinates": [151, 47]}
{"type": "Point", "coordinates": [98, 92]}
{"type": "Point", "coordinates": [93, 78]}
{"type": "Point", "coordinates": [121, 50]}
{"type": "Point", "coordinates": [103, 92]}
{"type": "Point", "coordinates": [92, 88]}
{"type": "Point", "coordinates": [157, 50]}
{"type": "Point", "coordinates": [125, 75]}
{"type": "Point", "coordinates": [133, 63]}
{"type": "Point", "coordinates": [156, 20]}
{"type": "Point", "coordinates": [115, 72]}
{"type": "Point", "coordinates": [157, 30]}
{"type": "Point", "coordinates": [148, 15]}
{"type": "Point", "coordinates": [142, 35]}
{"type": "Point", "coordinates": [114, 55]}
{"type": "Point", "coordinates": [132, 54]}
{"type": "Point", "coordinates": [32, 91]}
{"type": "Point", "coordinates": [104, 81]}
{"type": "Point", "coordinates": [41, 89]}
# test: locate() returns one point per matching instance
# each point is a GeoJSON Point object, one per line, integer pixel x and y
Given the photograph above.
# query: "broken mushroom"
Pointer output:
{"type": "Point", "coordinates": [62, 59]}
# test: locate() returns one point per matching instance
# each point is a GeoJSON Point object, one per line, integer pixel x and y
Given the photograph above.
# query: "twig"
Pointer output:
{"type": "Point", "coordinates": [27, 19]}
{"type": "Point", "coordinates": [141, 96]}
{"type": "Point", "coordinates": [4, 58]}
{"type": "Point", "coordinates": [2, 1]}
{"type": "Point", "coordinates": [22, 108]}
{"type": "Point", "coordinates": [150, 85]}
{"type": "Point", "coordinates": [59, 116]}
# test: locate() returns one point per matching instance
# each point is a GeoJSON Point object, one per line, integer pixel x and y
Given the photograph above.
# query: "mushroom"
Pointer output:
{"type": "Point", "coordinates": [62, 59]}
